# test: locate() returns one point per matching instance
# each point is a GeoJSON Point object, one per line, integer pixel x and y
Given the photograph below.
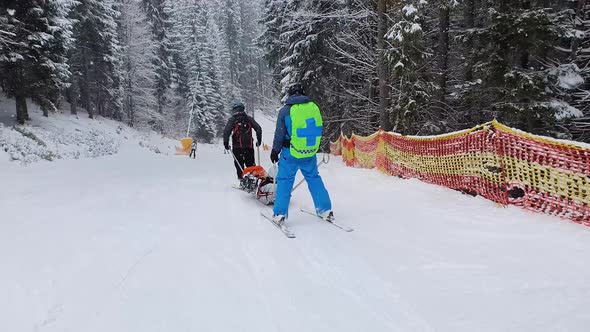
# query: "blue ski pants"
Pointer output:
{"type": "Point", "coordinates": [288, 167]}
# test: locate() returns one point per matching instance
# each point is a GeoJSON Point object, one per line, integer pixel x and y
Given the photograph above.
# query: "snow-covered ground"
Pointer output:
{"type": "Point", "coordinates": [139, 241]}
{"type": "Point", "coordinates": [63, 136]}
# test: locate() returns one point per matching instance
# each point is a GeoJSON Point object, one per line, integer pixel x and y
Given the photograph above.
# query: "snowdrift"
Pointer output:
{"type": "Point", "coordinates": [66, 136]}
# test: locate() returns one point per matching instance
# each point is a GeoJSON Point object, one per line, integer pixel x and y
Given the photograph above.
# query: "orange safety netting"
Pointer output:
{"type": "Point", "coordinates": [505, 165]}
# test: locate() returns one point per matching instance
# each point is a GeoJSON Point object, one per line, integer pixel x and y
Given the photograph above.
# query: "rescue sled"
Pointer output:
{"type": "Point", "coordinates": [258, 182]}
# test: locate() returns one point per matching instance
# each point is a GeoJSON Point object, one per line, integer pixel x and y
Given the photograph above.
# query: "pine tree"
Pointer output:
{"type": "Point", "coordinates": [408, 54]}
{"type": "Point", "coordinates": [96, 59]}
{"type": "Point", "coordinates": [213, 115]}
{"type": "Point", "coordinates": [248, 75]}
{"type": "Point", "coordinates": [569, 75]}
{"type": "Point", "coordinates": [159, 20]}
{"type": "Point", "coordinates": [443, 50]}
{"type": "Point", "coordinates": [273, 19]}
{"type": "Point", "coordinates": [140, 99]}
{"type": "Point", "coordinates": [231, 25]}
{"type": "Point", "coordinates": [203, 91]}
{"type": "Point", "coordinates": [382, 68]}
{"type": "Point", "coordinates": [216, 57]}
{"type": "Point", "coordinates": [34, 36]}
{"type": "Point", "coordinates": [515, 37]}
{"type": "Point", "coordinates": [178, 90]}
{"type": "Point", "coordinates": [355, 57]}
{"type": "Point", "coordinates": [329, 47]}
{"type": "Point", "coordinates": [307, 34]}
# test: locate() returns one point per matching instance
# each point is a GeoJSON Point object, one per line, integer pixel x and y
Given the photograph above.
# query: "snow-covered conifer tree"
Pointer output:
{"type": "Point", "coordinates": [34, 38]}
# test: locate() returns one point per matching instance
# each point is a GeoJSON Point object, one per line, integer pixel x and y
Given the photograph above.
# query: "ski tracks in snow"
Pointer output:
{"type": "Point", "coordinates": [138, 242]}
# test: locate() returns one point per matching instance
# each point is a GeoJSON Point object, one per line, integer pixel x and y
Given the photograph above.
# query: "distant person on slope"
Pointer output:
{"type": "Point", "coordinates": [240, 126]}
{"type": "Point", "coordinates": [297, 139]}
{"type": "Point", "coordinates": [193, 150]}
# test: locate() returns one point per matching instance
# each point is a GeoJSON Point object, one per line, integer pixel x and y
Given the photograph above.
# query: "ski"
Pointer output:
{"type": "Point", "coordinates": [333, 223]}
{"type": "Point", "coordinates": [284, 228]}
{"type": "Point", "coordinates": [240, 188]}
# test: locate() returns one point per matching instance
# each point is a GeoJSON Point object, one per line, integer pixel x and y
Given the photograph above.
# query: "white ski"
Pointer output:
{"type": "Point", "coordinates": [333, 222]}
{"type": "Point", "coordinates": [283, 228]}
{"type": "Point", "coordinates": [240, 188]}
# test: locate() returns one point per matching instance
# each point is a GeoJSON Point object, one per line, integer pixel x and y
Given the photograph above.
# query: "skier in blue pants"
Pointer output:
{"type": "Point", "coordinates": [297, 139]}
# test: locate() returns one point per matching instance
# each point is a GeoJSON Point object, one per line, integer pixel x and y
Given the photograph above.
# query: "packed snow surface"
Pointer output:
{"type": "Point", "coordinates": [138, 241]}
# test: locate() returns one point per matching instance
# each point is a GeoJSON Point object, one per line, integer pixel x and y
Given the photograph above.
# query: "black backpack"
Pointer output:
{"type": "Point", "coordinates": [243, 132]}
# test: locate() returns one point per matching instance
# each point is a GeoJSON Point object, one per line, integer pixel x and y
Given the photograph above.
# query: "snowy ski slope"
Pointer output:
{"type": "Point", "coordinates": [145, 242]}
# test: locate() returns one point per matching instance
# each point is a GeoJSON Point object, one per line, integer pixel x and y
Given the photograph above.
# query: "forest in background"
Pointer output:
{"type": "Point", "coordinates": [423, 67]}
{"type": "Point", "coordinates": [148, 63]}
{"type": "Point", "coordinates": [418, 67]}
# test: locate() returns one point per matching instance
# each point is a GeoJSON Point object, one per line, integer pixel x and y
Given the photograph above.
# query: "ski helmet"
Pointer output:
{"type": "Point", "coordinates": [238, 107]}
{"type": "Point", "coordinates": [296, 89]}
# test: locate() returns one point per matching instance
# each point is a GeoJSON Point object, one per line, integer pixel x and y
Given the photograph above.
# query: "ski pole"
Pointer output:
{"type": "Point", "coordinates": [303, 180]}
{"type": "Point", "coordinates": [236, 159]}
{"type": "Point", "coordinates": [274, 181]}
{"type": "Point", "coordinates": [258, 154]}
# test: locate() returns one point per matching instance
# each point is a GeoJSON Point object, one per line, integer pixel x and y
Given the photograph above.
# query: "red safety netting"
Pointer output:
{"type": "Point", "coordinates": [497, 162]}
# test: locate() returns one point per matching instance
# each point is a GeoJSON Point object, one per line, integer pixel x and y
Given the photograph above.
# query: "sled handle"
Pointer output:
{"type": "Point", "coordinates": [303, 180]}
{"type": "Point", "coordinates": [258, 154]}
{"type": "Point", "coordinates": [236, 159]}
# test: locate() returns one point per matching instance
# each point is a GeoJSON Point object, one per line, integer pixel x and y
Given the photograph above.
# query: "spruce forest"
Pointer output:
{"type": "Point", "coordinates": [417, 67]}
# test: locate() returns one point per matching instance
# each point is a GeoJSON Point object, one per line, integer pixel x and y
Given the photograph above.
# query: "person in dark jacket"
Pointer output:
{"type": "Point", "coordinates": [239, 127]}
{"type": "Point", "coordinates": [193, 153]}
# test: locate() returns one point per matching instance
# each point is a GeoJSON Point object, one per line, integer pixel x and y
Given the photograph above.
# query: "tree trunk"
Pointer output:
{"type": "Point", "coordinates": [443, 52]}
{"type": "Point", "coordinates": [22, 113]}
{"type": "Point", "coordinates": [130, 101]}
{"type": "Point", "coordinates": [45, 109]}
{"type": "Point", "coordinates": [90, 109]}
{"type": "Point", "coordinates": [99, 102]}
{"type": "Point", "coordinates": [161, 91]}
{"type": "Point", "coordinates": [524, 62]}
{"type": "Point", "coordinates": [73, 94]}
{"type": "Point", "coordinates": [469, 44]}
{"type": "Point", "coordinates": [524, 58]}
{"type": "Point", "coordinates": [525, 52]}
{"type": "Point", "coordinates": [259, 85]}
{"type": "Point", "coordinates": [579, 15]}
{"type": "Point", "coordinates": [382, 67]}
{"type": "Point", "coordinates": [503, 47]}
{"type": "Point", "coordinates": [86, 84]}
{"type": "Point", "coordinates": [16, 86]}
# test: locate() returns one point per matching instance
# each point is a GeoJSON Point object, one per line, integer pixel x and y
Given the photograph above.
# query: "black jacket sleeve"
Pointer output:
{"type": "Point", "coordinates": [257, 129]}
{"type": "Point", "coordinates": [228, 130]}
